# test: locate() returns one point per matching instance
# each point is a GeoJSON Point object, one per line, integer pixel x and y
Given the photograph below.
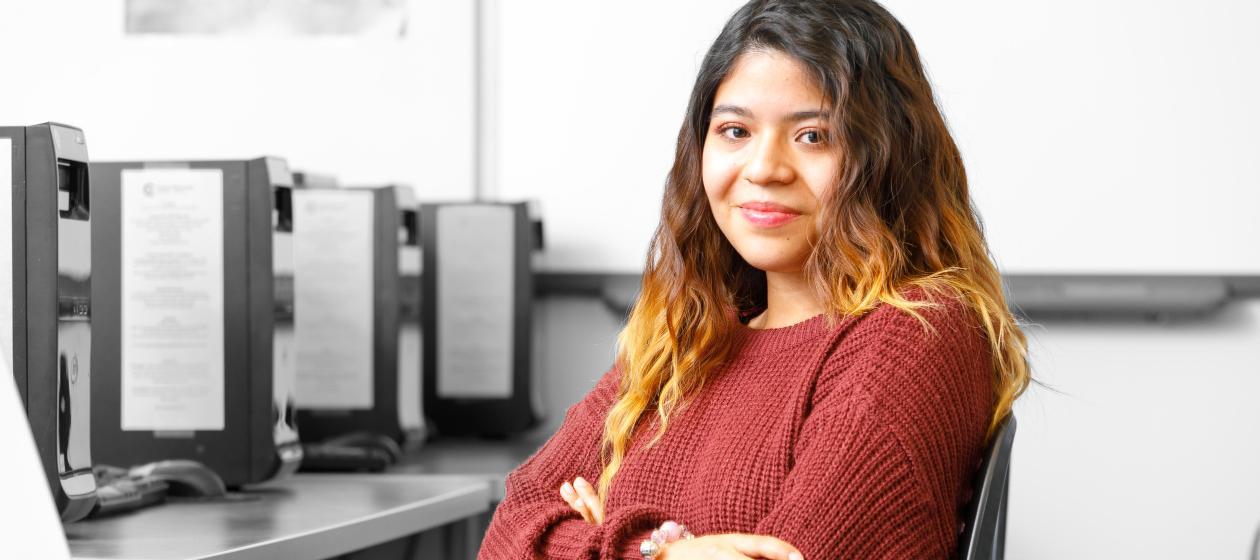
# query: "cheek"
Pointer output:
{"type": "Point", "coordinates": [717, 171]}
{"type": "Point", "coordinates": [821, 178]}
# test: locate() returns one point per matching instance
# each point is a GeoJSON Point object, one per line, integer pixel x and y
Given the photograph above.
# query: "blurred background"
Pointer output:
{"type": "Point", "coordinates": [1110, 147]}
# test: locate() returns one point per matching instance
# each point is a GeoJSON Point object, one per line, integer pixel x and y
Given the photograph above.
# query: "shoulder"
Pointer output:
{"type": "Point", "coordinates": [941, 327]}
{"type": "Point", "coordinates": [941, 315]}
{"type": "Point", "coordinates": [937, 362]}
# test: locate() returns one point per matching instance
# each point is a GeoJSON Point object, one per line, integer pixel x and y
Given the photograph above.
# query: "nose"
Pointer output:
{"type": "Point", "coordinates": [769, 164]}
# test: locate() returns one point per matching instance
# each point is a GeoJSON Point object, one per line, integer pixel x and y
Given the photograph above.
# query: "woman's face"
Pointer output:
{"type": "Point", "coordinates": [768, 160]}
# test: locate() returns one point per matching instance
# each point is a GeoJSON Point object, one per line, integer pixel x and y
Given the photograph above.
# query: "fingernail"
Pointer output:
{"type": "Point", "coordinates": [566, 489]}
{"type": "Point", "coordinates": [795, 556]}
{"type": "Point", "coordinates": [581, 481]}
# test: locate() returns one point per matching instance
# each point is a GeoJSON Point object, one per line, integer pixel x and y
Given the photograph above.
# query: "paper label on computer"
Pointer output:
{"type": "Point", "coordinates": [475, 283]}
{"type": "Point", "coordinates": [333, 298]}
{"type": "Point", "coordinates": [6, 253]}
{"type": "Point", "coordinates": [172, 299]}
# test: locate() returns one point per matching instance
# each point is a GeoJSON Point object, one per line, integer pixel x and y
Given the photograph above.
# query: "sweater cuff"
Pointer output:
{"type": "Point", "coordinates": [561, 533]}
{"type": "Point", "coordinates": [630, 548]}
{"type": "Point", "coordinates": [625, 529]}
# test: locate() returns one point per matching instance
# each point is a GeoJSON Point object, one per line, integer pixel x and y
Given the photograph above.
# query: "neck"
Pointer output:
{"type": "Point", "coordinates": [789, 300]}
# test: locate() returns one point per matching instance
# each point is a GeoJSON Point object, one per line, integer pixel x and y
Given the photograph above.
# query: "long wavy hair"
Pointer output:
{"type": "Point", "coordinates": [898, 217]}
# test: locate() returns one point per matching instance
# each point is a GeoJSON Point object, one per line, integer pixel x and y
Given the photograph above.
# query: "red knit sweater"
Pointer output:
{"type": "Point", "coordinates": [852, 442]}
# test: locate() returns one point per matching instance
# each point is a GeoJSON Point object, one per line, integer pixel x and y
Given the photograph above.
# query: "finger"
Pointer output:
{"type": "Point", "coordinates": [725, 553]}
{"type": "Point", "coordinates": [712, 547]}
{"type": "Point", "coordinates": [568, 493]}
{"type": "Point", "coordinates": [761, 546]}
{"type": "Point", "coordinates": [587, 492]}
{"type": "Point", "coordinates": [586, 512]}
{"type": "Point", "coordinates": [575, 501]}
{"type": "Point", "coordinates": [590, 498]}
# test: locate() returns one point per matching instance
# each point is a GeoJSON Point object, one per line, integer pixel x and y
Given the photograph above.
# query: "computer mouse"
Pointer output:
{"type": "Point", "coordinates": [367, 440]}
{"type": "Point", "coordinates": [184, 477]}
{"type": "Point", "coordinates": [106, 474]}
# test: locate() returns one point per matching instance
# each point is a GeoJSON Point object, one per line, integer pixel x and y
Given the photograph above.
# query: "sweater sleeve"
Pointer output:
{"type": "Point", "coordinates": [534, 521]}
{"type": "Point", "coordinates": [892, 428]}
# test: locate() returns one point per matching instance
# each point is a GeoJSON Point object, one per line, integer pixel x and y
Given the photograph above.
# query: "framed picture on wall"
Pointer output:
{"type": "Point", "coordinates": [377, 18]}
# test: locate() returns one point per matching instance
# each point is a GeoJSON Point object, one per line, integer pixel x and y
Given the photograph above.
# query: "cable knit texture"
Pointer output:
{"type": "Point", "coordinates": [851, 441]}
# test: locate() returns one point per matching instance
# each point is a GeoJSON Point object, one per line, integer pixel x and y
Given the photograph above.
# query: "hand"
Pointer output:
{"type": "Point", "coordinates": [732, 546]}
{"type": "Point", "coordinates": [581, 496]}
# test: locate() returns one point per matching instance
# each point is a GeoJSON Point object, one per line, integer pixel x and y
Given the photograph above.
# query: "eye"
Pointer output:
{"type": "Point", "coordinates": [812, 136]}
{"type": "Point", "coordinates": [733, 132]}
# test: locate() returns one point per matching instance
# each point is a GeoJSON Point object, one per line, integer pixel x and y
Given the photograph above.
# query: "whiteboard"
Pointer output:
{"type": "Point", "coordinates": [1115, 137]}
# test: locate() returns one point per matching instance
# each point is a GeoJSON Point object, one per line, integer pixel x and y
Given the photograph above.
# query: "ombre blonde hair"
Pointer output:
{"type": "Point", "coordinates": [899, 217]}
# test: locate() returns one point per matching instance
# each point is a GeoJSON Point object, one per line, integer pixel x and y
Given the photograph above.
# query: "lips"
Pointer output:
{"type": "Point", "coordinates": [767, 214]}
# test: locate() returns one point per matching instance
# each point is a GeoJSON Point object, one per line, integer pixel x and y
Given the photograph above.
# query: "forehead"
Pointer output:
{"type": "Point", "coordinates": [770, 80]}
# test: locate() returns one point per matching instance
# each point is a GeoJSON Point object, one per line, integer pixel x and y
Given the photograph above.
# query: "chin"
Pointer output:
{"type": "Point", "coordinates": [771, 255]}
{"type": "Point", "coordinates": [773, 263]}
{"type": "Point", "coordinates": [777, 268]}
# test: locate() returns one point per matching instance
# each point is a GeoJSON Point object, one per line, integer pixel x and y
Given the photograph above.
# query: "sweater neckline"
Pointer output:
{"type": "Point", "coordinates": [767, 341]}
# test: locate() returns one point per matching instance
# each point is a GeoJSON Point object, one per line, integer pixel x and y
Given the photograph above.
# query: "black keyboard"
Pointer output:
{"type": "Point", "coordinates": [338, 458]}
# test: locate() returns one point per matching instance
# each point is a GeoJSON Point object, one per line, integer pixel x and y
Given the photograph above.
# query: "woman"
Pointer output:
{"type": "Point", "coordinates": [821, 343]}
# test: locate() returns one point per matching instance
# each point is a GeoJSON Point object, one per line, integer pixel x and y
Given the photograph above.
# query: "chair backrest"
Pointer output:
{"type": "Point", "coordinates": [984, 531]}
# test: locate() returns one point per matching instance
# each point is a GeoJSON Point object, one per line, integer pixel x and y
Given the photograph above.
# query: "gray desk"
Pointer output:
{"type": "Point", "coordinates": [306, 516]}
{"type": "Point", "coordinates": [489, 460]}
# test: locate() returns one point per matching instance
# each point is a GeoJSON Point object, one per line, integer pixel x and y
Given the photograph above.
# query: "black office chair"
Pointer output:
{"type": "Point", "coordinates": [984, 531]}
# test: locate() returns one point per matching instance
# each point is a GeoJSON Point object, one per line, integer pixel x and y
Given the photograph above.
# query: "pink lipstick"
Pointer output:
{"type": "Point", "coordinates": [767, 214]}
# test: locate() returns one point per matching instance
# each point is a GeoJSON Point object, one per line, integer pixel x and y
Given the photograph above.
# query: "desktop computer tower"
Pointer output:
{"type": "Point", "coordinates": [312, 180]}
{"type": "Point", "coordinates": [478, 291]}
{"type": "Point", "coordinates": [188, 312]}
{"type": "Point", "coordinates": [46, 304]}
{"type": "Point", "coordinates": [347, 286]}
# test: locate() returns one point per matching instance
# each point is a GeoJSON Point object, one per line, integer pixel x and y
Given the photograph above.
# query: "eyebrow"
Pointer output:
{"type": "Point", "coordinates": [744, 112]}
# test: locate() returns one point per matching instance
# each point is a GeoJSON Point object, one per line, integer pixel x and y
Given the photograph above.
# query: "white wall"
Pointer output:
{"type": "Point", "coordinates": [1099, 137]}
{"type": "Point", "coordinates": [1151, 446]}
{"type": "Point", "coordinates": [370, 110]}
{"type": "Point", "coordinates": [1104, 136]}
{"type": "Point", "coordinates": [589, 99]}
